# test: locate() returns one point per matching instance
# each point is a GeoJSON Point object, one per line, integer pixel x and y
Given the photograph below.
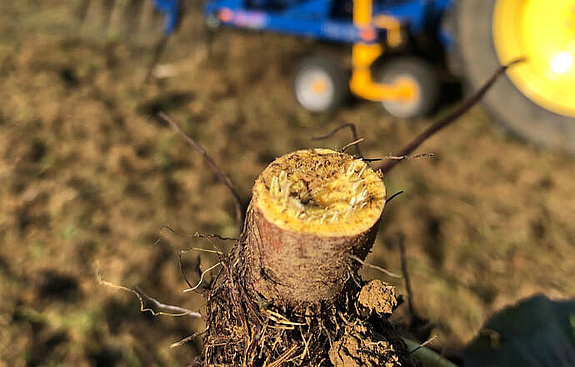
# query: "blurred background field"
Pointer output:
{"type": "Point", "coordinates": [88, 175]}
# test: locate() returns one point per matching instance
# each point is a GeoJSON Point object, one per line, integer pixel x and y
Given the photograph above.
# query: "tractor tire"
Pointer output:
{"type": "Point", "coordinates": [520, 108]}
{"type": "Point", "coordinates": [424, 78]}
{"type": "Point", "coordinates": [320, 84]}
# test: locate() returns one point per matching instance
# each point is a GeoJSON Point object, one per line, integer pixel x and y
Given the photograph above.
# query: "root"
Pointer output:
{"type": "Point", "coordinates": [164, 309]}
{"type": "Point", "coordinates": [449, 119]}
{"type": "Point", "coordinates": [245, 329]}
{"type": "Point", "coordinates": [193, 288]}
{"type": "Point", "coordinates": [384, 271]}
{"type": "Point", "coordinates": [355, 136]}
{"type": "Point", "coordinates": [220, 174]}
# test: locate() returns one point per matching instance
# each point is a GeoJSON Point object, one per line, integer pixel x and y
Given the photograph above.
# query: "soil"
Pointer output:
{"type": "Point", "coordinates": [88, 176]}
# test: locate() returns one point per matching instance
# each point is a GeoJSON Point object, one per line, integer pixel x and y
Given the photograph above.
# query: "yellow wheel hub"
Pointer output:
{"type": "Point", "coordinates": [407, 90]}
{"type": "Point", "coordinates": [542, 32]}
{"type": "Point", "coordinates": [319, 86]}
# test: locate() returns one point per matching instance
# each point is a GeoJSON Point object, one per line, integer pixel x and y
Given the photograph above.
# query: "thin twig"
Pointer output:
{"type": "Point", "coordinates": [385, 271]}
{"type": "Point", "coordinates": [404, 270]}
{"type": "Point", "coordinates": [167, 310]}
{"type": "Point", "coordinates": [393, 197]}
{"type": "Point", "coordinates": [447, 120]}
{"type": "Point", "coordinates": [216, 236]}
{"type": "Point", "coordinates": [201, 278]}
{"type": "Point", "coordinates": [425, 355]}
{"type": "Point", "coordinates": [284, 357]}
{"type": "Point", "coordinates": [187, 339]}
{"type": "Point", "coordinates": [351, 125]}
{"type": "Point", "coordinates": [161, 233]}
{"type": "Point", "coordinates": [422, 345]}
{"type": "Point", "coordinates": [419, 327]}
{"type": "Point", "coordinates": [181, 267]}
{"type": "Point", "coordinates": [402, 157]}
{"type": "Point", "coordinates": [355, 142]}
{"type": "Point", "coordinates": [222, 176]}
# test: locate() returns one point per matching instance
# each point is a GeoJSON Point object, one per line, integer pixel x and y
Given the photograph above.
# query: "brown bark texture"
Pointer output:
{"type": "Point", "coordinates": [290, 293]}
{"type": "Point", "coordinates": [298, 251]}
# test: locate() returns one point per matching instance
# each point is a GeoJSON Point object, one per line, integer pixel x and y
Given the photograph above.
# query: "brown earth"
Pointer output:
{"type": "Point", "coordinates": [86, 175]}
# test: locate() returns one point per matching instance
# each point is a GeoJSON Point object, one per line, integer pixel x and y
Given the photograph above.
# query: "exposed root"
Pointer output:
{"type": "Point", "coordinates": [355, 136]}
{"type": "Point", "coordinates": [393, 197]}
{"type": "Point", "coordinates": [384, 271]}
{"type": "Point", "coordinates": [158, 307]}
{"type": "Point", "coordinates": [244, 329]}
{"type": "Point", "coordinates": [220, 174]}
{"type": "Point", "coordinates": [449, 119]}
{"type": "Point", "coordinates": [193, 288]}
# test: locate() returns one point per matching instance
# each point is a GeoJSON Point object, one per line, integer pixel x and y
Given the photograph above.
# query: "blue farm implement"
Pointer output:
{"type": "Point", "coordinates": [535, 101]}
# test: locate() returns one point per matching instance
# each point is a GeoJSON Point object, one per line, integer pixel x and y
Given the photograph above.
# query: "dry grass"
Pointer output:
{"type": "Point", "coordinates": [86, 175]}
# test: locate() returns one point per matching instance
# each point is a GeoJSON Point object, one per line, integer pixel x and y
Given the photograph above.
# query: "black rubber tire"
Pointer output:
{"type": "Point", "coordinates": [338, 78]}
{"type": "Point", "coordinates": [423, 74]}
{"type": "Point", "coordinates": [514, 111]}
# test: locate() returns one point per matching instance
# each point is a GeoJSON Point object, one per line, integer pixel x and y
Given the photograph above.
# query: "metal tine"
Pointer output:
{"type": "Point", "coordinates": [146, 18]}
{"type": "Point", "coordinates": [117, 23]}
{"type": "Point", "coordinates": [108, 7]}
{"type": "Point", "coordinates": [82, 11]}
{"type": "Point", "coordinates": [95, 16]}
{"type": "Point", "coordinates": [90, 15]}
{"type": "Point", "coordinates": [135, 21]}
{"type": "Point", "coordinates": [133, 12]}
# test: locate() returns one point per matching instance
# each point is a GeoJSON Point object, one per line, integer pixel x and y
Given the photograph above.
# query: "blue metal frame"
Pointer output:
{"type": "Point", "coordinates": [171, 11]}
{"type": "Point", "coordinates": [315, 18]}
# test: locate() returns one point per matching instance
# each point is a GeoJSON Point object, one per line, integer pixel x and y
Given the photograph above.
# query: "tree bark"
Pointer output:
{"type": "Point", "coordinates": [311, 209]}
{"type": "Point", "coordinates": [289, 294]}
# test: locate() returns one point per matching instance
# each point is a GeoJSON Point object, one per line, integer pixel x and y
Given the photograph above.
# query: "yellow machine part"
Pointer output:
{"type": "Point", "coordinates": [362, 83]}
{"type": "Point", "coordinates": [364, 55]}
{"type": "Point", "coordinates": [542, 32]}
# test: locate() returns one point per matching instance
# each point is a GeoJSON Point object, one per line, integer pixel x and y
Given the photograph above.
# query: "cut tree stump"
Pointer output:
{"type": "Point", "coordinates": [289, 291]}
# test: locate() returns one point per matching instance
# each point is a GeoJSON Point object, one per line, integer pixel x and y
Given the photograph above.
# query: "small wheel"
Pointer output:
{"type": "Point", "coordinates": [320, 84]}
{"type": "Point", "coordinates": [421, 77]}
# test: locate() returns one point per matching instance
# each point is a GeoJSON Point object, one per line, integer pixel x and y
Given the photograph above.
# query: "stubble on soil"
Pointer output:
{"type": "Point", "coordinates": [87, 175]}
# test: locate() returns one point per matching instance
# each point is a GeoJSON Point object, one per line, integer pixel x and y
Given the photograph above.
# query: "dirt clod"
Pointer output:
{"type": "Point", "coordinates": [377, 296]}
{"type": "Point", "coordinates": [362, 347]}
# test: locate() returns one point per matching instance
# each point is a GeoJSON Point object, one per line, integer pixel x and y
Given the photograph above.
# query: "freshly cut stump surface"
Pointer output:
{"type": "Point", "coordinates": [310, 210]}
{"type": "Point", "coordinates": [289, 291]}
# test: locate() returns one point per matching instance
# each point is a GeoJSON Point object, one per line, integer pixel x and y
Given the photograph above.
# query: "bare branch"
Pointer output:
{"type": "Point", "coordinates": [447, 120]}
{"type": "Point", "coordinates": [222, 176]}
{"type": "Point", "coordinates": [351, 125]}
